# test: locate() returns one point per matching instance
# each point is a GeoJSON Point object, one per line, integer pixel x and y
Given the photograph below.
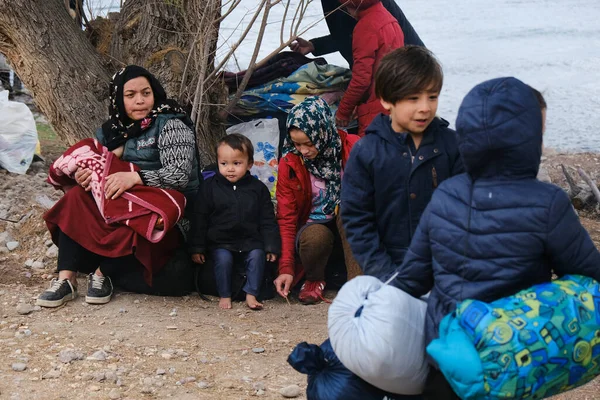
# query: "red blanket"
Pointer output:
{"type": "Point", "coordinates": [113, 228]}
{"type": "Point", "coordinates": [139, 208]}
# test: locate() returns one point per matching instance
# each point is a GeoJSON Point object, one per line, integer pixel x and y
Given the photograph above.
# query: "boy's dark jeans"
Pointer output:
{"type": "Point", "coordinates": [254, 265]}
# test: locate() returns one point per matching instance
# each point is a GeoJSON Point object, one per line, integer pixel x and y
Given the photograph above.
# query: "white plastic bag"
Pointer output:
{"type": "Point", "coordinates": [18, 135]}
{"type": "Point", "coordinates": [378, 332]}
{"type": "Point", "coordinates": [264, 135]}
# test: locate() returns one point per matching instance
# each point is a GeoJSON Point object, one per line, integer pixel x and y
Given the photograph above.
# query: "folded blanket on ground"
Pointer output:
{"type": "Point", "coordinates": [139, 208]}
{"type": "Point", "coordinates": [539, 342]}
{"type": "Point", "coordinates": [284, 93]}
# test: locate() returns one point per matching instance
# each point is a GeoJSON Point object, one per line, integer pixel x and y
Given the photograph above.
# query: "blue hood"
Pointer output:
{"type": "Point", "coordinates": [499, 127]}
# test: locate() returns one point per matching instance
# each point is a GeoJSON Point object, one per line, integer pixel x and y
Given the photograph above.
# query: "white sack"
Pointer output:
{"type": "Point", "coordinates": [18, 135]}
{"type": "Point", "coordinates": [264, 135]}
{"type": "Point", "coordinates": [385, 343]}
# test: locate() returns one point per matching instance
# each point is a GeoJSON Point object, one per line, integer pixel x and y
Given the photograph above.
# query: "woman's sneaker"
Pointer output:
{"type": "Point", "coordinates": [100, 289]}
{"type": "Point", "coordinates": [59, 292]}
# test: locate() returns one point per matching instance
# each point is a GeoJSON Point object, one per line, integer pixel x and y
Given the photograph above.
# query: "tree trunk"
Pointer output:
{"type": "Point", "coordinates": [69, 79]}
{"type": "Point", "coordinates": [152, 34]}
{"type": "Point", "coordinates": [56, 63]}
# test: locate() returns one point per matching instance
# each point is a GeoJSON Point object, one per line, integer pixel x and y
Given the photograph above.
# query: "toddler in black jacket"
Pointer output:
{"type": "Point", "coordinates": [234, 217]}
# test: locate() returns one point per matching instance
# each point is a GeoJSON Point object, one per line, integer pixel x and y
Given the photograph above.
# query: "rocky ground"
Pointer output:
{"type": "Point", "coordinates": [141, 346]}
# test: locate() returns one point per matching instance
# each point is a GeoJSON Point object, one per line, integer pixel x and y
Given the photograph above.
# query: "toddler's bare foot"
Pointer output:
{"type": "Point", "coordinates": [225, 303]}
{"type": "Point", "coordinates": [253, 304]}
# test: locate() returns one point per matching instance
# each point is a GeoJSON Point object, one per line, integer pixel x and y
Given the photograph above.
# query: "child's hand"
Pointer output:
{"type": "Point", "coordinates": [198, 258]}
{"type": "Point", "coordinates": [118, 151]}
{"type": "Point", "coordinates": [271, 257]}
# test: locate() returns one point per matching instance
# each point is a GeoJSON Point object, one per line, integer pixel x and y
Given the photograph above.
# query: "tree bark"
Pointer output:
{"type": "Point", "coordinates": [69, 78]}
{"type": "Point", "coordinates": [152, 34]}
{"type": "Point", "coordinates": [56, 63]}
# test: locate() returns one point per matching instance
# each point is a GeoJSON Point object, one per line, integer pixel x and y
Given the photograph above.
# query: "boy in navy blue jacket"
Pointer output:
{"type": "Point", "coordinates": [495, 230]}
{"type": "Point", "coordinates": [234, 219]}
{"type": "Point", "coordinates": [393, 171]}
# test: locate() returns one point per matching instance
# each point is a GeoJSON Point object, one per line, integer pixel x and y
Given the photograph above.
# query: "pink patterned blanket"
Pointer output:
{"type": "Point", "coordinates": [139, 208]}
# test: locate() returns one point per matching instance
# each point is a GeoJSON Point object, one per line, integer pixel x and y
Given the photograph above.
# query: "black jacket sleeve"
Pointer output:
{"type": "Point", "coordinates": [341, 26]}
{"type": "Point", "coordinates": [269, 228]}
{"type": "Point", "coordinates": [199, 220]}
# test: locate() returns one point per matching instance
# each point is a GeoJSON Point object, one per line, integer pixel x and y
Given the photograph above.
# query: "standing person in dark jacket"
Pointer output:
{"type": "Point", "coordinates": [341, 25]}
{"type": "Point", "coordinates": [495, 230]}
{"type": "Point", "coordinates": [393, 171]}
{"type": "Point", "coordinates": [234, 219]}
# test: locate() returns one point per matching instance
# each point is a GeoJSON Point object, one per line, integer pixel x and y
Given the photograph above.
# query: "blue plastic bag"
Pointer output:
{"type": "Point", "coordinates": [328, 379]}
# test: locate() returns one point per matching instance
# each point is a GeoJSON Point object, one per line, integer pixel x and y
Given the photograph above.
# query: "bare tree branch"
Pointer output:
{"type": "Point", "coordinates": [252, 67]}
{"type": "Point", "coordinates": [232, 7]}
{"type": "Point", "coordinates": [590, 182]}
{"type": "Point", "coordinates": [240, 40]}
{"type": "Point", "coordinates": [287, 6]}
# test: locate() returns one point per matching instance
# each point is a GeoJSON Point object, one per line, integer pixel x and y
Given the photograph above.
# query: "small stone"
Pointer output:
{"type": "Point", "coordinates": [166, 356]}
{"type": "Point", "coordinates": [258, 350]}
{"type": "Point", "coordinates": [202, 385]}
{"type": "Point", "coordinates": [171, 370]}
{"type": "Point", "coordinates": [160, 371]}
{"type": "Point", "coordinates": [148, 381]}
{"type": "Point", "coordinates": [29, 263]}
{"type": "Point", "coordinates": [189, 379]}
{"type": "Point", "coordinates": [173, 313]}
{"type": "Point", "coordinates": [259, 386]}
{"type": "Point", "coordinates": [19, 367]}
{"type": "Point", "coordinates": [110, 376]}
{"type": "Point", "coordinates": [12, 245]}
{"type": "Point", "coordinates": [52, 374]}
{"type": "Point", "coordinates": [23, 333]}
{"type": "Point", "coordinates": [122, 310]}
{"type": "Point", "coordinates": [244, 352]}
{"type": "Point", "coordinates": [24, 308]}
{"type": "Point", "coordinates": [38, 265]}
{"type": "Point", "coordinates": [99, 376]}
{"type": "Point", "coordinates": [114, 394]}
{"type": "Point", "coordinates": [171, 327]}
{"type": "Point", "coordinates": [260, 392]}
{"type": "Point", "coordinates": [136, 302]}
{"type": "Point", "coordinates": [94, 388]}
{"type": "Point", "coordinates": [52, 251]}
{"type": "Point", "coordinates": [290, 391]}
{"type": "Point", "coordinates": [100, 355]}
{"type": "Point", "coordinates": [68, 355]}
{"type": "Point", "coordinates": [48, 243]}
{"type": "Point", "coordinates": [146, 390]}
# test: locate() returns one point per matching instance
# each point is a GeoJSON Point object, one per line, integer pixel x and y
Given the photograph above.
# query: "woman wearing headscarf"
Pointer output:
{"type": "Point", "coordinates": [152, 133]}
{"type": "Point", "coordinates": [308, 199]}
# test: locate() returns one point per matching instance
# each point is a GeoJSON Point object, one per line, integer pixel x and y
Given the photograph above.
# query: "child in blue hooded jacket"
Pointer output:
{"type": "Point", "coordinates": [494, 230]}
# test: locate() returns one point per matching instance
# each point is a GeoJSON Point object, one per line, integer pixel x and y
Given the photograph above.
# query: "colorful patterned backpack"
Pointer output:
{"type": "Point", "coordinates": [541, 341]}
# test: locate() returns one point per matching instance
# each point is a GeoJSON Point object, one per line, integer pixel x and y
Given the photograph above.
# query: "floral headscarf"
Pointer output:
{"type": "Point", "coordinates": [313, 116]}
{"type": "Point", "coordinates": [119, 128]}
